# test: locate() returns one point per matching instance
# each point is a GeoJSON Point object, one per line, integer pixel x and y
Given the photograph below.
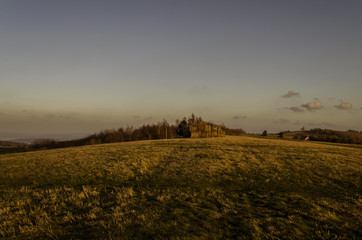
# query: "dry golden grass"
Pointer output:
{"type": "Point", "coordinates": [233, 187]}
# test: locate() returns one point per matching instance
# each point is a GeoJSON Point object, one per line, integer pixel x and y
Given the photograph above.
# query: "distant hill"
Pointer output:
{"type": "Point", "coordinates": [328, 135]}
{"type": "Point", "coordinates": [11, 147]}
{"type": "Point", "coordinates": [24, 140]}
{"type": "Point", "coordinates": [9, 143]}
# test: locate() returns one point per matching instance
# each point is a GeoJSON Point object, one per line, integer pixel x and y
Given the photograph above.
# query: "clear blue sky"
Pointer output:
{"type": "Point", "coordinates": [75, 67]}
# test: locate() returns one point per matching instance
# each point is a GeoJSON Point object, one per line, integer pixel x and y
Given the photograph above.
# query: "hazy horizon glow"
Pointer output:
{"type": "Point", "coordinates": [76, 67]}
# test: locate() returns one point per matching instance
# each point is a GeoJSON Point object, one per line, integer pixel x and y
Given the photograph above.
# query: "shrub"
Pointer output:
{"type": "Point", "coordinates": [281, 135]}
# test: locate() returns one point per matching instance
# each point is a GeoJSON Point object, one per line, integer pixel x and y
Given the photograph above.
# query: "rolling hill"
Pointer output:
{"type": "Point", "coordinates": [219, 188]}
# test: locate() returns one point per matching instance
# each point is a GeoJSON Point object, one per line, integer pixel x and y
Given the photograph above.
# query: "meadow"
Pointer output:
{"type": "Point", "coordinates": [218, 188]}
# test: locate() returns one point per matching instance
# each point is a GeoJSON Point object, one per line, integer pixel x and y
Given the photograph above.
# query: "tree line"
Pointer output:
{"type": "Point", "coordinates": [161, 130]}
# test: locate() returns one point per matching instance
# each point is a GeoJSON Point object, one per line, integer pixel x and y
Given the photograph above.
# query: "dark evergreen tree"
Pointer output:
{"type": "Point", "coordinates": [183, 129]}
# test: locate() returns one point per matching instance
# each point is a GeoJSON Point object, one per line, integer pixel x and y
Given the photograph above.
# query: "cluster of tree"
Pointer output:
{"type": "Point", "coordinates": [196, 127]}
{"type": "Point", "coordinates": [328, 135]}
{"type": "Point", "coordinates": [233, 131]}
{"type": "Point", "coordinates": [161, 130]}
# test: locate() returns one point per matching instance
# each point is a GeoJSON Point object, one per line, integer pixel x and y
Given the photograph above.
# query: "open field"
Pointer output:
{"type": "Point", "coordinates": [232, 187]}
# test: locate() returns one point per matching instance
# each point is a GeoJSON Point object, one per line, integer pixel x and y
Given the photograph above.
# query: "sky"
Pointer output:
{"type": "Point", "coordinates": [72, 68]}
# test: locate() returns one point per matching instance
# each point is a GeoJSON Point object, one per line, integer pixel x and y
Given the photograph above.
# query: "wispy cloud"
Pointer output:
{"type": "Point", "coordinates": [56, 116]}
{"type": "Point", "coordinates": [344, 106]}
{"type": "Point", "coordinates": [297, 109]}
{"type": "Point", "coordinates": [291, 93]}
{"type": "Point", "coordinates": [239, 117]}
{"type": "Point", "coordinates": [282, 121]}
{"type": "Point", "coordinates": [313, 106]}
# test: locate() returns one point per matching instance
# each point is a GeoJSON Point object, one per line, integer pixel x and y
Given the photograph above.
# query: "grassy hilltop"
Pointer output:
{"type": "Point", "coordinates": [232, 187]}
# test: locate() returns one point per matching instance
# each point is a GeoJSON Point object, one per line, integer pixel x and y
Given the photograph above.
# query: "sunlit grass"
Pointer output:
{"type": "Point", "coordinates": [233, 187]}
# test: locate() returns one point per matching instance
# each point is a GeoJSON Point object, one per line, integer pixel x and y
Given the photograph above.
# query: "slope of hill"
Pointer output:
{"type": "Point", "coordinates": [232, 187]}
{"type": "Point", "coordinates": [11, 147]}
{"type": "Point", "coordinates": [23, 140]}
{"type": "Point", "coordinates": [8, 144]}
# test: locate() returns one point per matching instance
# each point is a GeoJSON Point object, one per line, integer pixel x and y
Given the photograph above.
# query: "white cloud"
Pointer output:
{"type": "Point", "coordinates": [291, 93]}
{"type": "Point", "coordinates": [344, 106]}
{"type": "Point", "coordinates": [312, 106]}
{"type": "Point", "coordinates": [297, 109]}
